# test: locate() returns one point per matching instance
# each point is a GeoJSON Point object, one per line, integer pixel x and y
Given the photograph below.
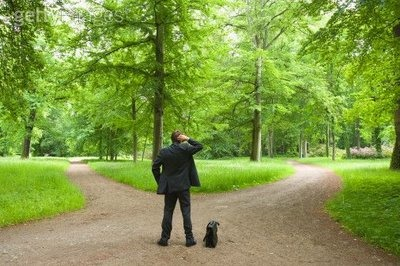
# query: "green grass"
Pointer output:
{"type": "Point", "coordinates": [369, 204]}
{"type": "Point", "coordinates": [234, 174]}
{"type": "Point", "coordinates": [137, 174]}
{"type": "Point", "coordinates": [215, 175]}
{"type": "Point", "coordinates": [34, 189]}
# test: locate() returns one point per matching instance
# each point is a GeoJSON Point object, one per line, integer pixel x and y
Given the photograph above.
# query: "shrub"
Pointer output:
{"type": "Point", "coordinates": [317, 151]}
{"type": "Point", "coordinates": [369, 153]}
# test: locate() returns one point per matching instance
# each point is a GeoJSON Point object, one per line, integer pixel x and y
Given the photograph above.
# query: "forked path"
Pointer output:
{"type": "Point", "coordinates": [276, 224]}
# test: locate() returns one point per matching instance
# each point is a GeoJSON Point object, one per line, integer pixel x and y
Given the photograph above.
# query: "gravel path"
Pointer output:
{"type": "Point", "coordinates": [277, 224]}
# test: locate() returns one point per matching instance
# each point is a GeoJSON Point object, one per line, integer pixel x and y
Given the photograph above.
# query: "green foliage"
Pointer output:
{"type": "Point", "coordinates": [117, 69]}
{"type": "Point", "coordinates": [52, 136]}
{"type": "Point", "coordinates": [20, 66]}
{"type": "Point", "coordinates": [215, 175]}
{"type": "Point", "coordinates": [220, 144]}
{"type": "Point", "coordinates": [10, 135]}
{"type": "Point", "coordinates": [19, 59]}
{"type": "Point", "coordinates": [357, 35]}
{"type": "Point", "coordinates": [91, 82]}
{"type": "Point", "coordinates": [369, 203]}
{"type": "Point", "coordinates": [34, 189]}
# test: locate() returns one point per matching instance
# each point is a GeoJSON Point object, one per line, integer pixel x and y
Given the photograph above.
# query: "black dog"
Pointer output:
{"type": "Point", "coordinates": [211, 237]}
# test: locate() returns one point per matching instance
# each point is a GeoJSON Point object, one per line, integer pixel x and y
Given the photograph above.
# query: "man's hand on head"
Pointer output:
{"type": "Point", "coordinates": [182, 137]}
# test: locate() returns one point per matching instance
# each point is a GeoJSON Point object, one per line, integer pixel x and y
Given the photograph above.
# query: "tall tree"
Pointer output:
{"type": "Point", "coordinates": [160, 20]}
{"type": "Point", "coordinates": [21, 22]}
{"type": "Point", "coordinates": [362, 33]}
{"type": "Point", "coordinates": [158, 41]}
{"type": "Point", "coordinates": [259, 25]}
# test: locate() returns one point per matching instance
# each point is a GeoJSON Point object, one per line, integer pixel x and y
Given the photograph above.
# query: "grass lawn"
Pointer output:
{"type": "Point", "coordinates": [215, 175]}
{"type": "Point", "coordinates": [369, 204]}
{"type": "Point", "coordinates": [34, 189]}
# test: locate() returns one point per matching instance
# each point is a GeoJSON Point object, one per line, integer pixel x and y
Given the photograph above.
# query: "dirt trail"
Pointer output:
{"type": "Point", "coordinates": [276, 224]}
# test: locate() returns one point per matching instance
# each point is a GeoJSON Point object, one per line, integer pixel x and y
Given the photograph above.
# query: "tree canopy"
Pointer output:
{"type": "Point", "coordinates": [247, 78]}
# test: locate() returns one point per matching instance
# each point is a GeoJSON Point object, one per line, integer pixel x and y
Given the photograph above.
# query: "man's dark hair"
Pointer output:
{"type": "Point", "coordinates": [174, 136]}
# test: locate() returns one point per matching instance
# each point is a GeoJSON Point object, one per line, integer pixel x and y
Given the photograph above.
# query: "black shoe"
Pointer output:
{"type": "Point", "coordinates": [163, 242]}
{"type": "Point", "coordinates": [190, 242]}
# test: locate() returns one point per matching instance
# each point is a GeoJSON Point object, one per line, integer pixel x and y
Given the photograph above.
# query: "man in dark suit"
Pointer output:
{"type": "Point", "coordinates": [174, 181]}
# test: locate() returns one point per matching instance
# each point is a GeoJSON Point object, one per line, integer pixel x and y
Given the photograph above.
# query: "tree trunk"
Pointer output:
{"type": "Point", "coordinates": [396, 31]}
{"type": "Point", "coordinates": [134, 133]}
{"type": "Point", "coordinates": [256, 139]}
{"type": "Point", "coordinates": [135, 147]}
{"type": "Point", "coordinates": [100, 146]}
{"type": "Point", "coordinates": [112, 145]}
{"type": "Point", "coordinates": [26, 146]}
{"type": "Point", "coordinates": [395, 160]}
{"type": "Point", "coordinates": [159, 80]}
{"type": "Point", "coordinates": [333, 143]}
{"type": "Point", "coordinates": [144, 147]}
{"type": "Point", "coordinates": [327, 139]}
{"type": "Point", "coordinates": [347, 142]}
{"type": "Point", "coordinates": [377, 141]}
{"type": "Point", "coordinates": [271, 152]}
{"type": "Point", "coordinates": [4, 149]}
{"type": "Point", "coordinates": [358, 134]}
{"type": "Point", "coordinates": [305, 148]}
{"type": "Point", "coordinates": [300, 145]}
{"type": "Point", "coordinates": [107, 140]}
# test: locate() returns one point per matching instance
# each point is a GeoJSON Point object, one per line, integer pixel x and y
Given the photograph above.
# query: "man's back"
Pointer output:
{"type": "Point", "coordinates": [178, 169]}
{"type": "Point", "coordinates": [175, 160]}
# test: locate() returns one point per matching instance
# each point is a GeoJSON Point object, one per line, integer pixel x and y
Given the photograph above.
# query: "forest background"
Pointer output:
{"type": "Point", "coordinates": [247, 78]}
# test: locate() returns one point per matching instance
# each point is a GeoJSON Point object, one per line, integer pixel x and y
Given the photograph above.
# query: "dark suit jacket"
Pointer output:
{"type": "Point", "coordinates": [178, 169]}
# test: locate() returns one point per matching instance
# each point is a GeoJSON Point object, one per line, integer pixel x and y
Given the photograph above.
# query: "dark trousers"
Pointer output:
{"type": "Point", "coordinates": [169, 206]}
